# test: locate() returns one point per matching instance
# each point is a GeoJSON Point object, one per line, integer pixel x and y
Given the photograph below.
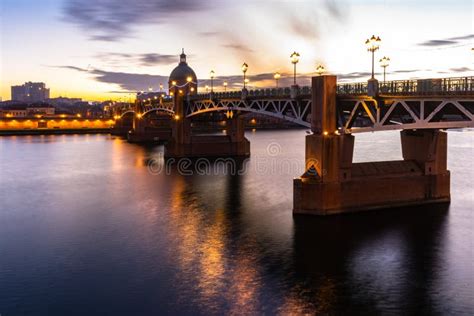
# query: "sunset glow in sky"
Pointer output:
{"type": "Point", "coordinates": [107, 49]}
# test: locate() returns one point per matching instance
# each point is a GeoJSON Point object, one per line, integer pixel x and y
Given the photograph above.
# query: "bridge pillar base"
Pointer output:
{"type": "Point", "coordinates": [234, 144]}
{"type": "Point", "coordinates": [335, 185]}
{"type": "Point", "coordinates": [364, 193]}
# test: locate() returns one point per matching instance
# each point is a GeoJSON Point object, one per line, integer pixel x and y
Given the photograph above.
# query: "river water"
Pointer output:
{"type": "Point", "coordinates": [92, 225]}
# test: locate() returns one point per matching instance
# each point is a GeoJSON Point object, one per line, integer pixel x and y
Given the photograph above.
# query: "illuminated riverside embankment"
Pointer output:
{"type": "Point", "coordinates": [56, 125]}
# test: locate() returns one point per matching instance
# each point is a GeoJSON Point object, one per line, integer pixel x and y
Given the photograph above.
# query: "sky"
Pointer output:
{"type": "Point", "coordinates": [109, 49]}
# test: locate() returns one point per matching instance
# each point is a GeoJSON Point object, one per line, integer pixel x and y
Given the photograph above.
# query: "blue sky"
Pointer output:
{"type": "Point", "coordinates": [109, 48]}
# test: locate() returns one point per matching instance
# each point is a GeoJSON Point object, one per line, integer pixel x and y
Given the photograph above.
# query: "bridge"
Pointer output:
{"type": "Point", "coordinates": [405, 104]}
{"type": "Point", "coordinates": [421, 109]}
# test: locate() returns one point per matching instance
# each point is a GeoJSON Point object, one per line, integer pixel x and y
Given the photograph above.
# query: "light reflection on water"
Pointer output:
{"type": "Point", "coordinates": [86, 229]}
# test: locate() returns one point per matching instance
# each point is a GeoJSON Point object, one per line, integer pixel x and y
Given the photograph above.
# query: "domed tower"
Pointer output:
{"type": "Point", "coordinates": [183, 77]}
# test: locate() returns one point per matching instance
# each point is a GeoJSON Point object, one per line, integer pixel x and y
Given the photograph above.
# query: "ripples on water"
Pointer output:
{"type": "Point", "coordinates": [86, 229]}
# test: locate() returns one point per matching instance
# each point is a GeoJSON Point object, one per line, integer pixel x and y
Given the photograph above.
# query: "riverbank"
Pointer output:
{"type": "Point", "coordinates": [26, 132]}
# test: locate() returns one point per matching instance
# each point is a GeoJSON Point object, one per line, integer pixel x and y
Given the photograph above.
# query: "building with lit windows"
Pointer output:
{"type": "Point", "coordinates": [30, 92]}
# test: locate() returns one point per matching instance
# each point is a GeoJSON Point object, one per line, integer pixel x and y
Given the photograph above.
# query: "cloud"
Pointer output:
{"type": "Point", "coordinates": [209, 33]}
{"type": "Point", "coordinates": [354, 75]}
{"type": "Point", "coordinates": [404, 71]}
{"type": "Point", "coordinates": [306, 21]}
{"type": "Point", "coordinates": [157, 59]}
{"type": "Point", "coordinates": [71, 68]}
{"type": "Point", "coordinates": [461, 69]}
{"type": "Point", "coordinates": [239, 47]}
{"type": "Point", "coordinates": [112, 20]}
{"type": "Point", "coordinates": [437, 43]}
{"type": "Point", "coordinates": [446, 41]}
{"type": "Point", "coordinates": [126, 81]}
{"type": "Point", "coordinates": [148, 59]}
{"type": "Point", "coordinates": [462, 38]}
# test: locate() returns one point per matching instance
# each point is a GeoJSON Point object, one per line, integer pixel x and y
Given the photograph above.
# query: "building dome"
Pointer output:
{"type": "Point", "coordinates": [182, 72]}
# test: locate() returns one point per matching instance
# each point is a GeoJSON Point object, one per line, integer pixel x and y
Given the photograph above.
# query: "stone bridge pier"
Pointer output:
{"type": "Point", "coordinates": [333, 184]}
{"type": "Point", "coordinates": [184, 144]}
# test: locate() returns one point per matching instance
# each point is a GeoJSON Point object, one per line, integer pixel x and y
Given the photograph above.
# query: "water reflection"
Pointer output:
{"type": "Point", "coordinates": [91, 229]}
{"type": "Point", "coordinates": [213, 262]}
{"type": "Point", "coordinates": [373, 261]}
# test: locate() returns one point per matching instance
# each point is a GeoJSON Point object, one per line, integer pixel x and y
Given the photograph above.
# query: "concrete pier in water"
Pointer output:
{"type": "Point", "coordinates": [184, 144]}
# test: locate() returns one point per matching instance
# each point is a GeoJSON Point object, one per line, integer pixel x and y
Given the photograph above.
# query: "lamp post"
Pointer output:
{"type": "Point", "coordinates": [212, 75]}
{"type": "Point", "coordinates": [384, 63]}
{"type": "Point", "coordinates": [295, 58]}
{"type": "Point", "coordinates": [244, 68]}
{"type": "Point", "coordinates": [373, 44]}
{"type": "Point", "coordinates": [225, 86]}
{"type": "Point", "coordinates": [320, 69]}
{"type": "Point", "coordinates": [277, 77]}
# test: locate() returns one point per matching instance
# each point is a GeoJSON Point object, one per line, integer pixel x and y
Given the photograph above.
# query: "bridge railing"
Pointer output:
{"type": "Point", "coordinates": [437, 86]}
{"type": "Point", "coordinates": [257, 93]}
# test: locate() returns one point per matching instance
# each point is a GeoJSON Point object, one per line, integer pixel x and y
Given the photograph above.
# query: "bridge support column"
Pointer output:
{"type": "Point", "coordinates": [120, 128]}
{"type": "Point", "coordinates": [429, 148]}
{"type": "Point", "coordinates": [181, 130]}
{"type": "Point", "coordinates": [333, 184]}
{"type": "Point", "coordinates": [184, 144]}
{"type": "Point", "coordinates": [138, 125]}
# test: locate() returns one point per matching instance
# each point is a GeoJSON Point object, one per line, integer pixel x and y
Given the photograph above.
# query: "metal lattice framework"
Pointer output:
{"type": "Point", "coordinates": [296, 111]}
{"type": "Point", "coordinates": [149, 107]}
{"type": "Point", "coordinates": [357, 115]}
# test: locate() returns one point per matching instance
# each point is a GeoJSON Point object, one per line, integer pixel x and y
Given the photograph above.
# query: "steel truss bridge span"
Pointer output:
{"type": "Point", "coordinates": [296, 111]}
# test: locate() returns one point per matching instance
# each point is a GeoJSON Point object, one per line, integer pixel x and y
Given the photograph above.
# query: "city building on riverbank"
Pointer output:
{"type": "Point", "coordinates": [30, 92]}
{"type": "Point", "coordinates": [25, 110]}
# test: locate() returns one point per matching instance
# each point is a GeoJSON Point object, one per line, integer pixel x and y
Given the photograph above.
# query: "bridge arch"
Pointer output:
{"type": "Point", "coordinates": [127, 112]}
{"type": "Point", "coordinates": [167, 111]}
{"type": "Point", "coordinates": [289, 110]}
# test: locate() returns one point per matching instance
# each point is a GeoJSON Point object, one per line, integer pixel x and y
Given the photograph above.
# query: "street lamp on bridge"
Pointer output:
{"type": "Point", "coordinates": [384, 63]}
{"type": "Point", "coordinates": [373, 44]}
{"type": "Point", "coordinates": [225, 86]}
{"type": "Point", "coordinates": [295, 58]}
{"type": "Point", "coordinates": [320, 69]}
{"type": "Point", "coordinates": [277, 77]}
{"type": "Point", "coordinates": [244, 68]}
{"type": "Point", "coordinates": [212, 75]}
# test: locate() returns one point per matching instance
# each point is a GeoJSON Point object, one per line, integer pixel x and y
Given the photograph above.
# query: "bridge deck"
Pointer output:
{"type": "Point", "coordinates": [405, 104]}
